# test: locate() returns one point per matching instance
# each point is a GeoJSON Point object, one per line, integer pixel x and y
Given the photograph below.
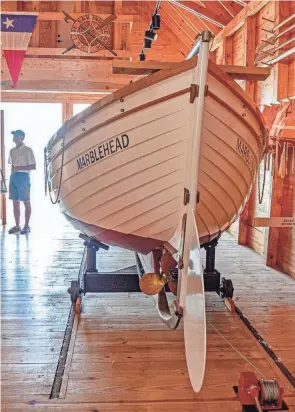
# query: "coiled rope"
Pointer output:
{"type": "Point", "coordinates": [54, 201]}
{"type": "Point", "coordinates": [270, 390]}
{"type": "Point", "coordinates": [261, 193]}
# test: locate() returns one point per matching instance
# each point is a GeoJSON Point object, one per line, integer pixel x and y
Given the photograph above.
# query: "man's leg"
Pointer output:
{"type": "Point", "coordinates": [28, 211]}
{"type": "Point", "coordinates": [16, 212]}
{"type": "Point", "coordinates": [14, 196]}
{"type": "Point", "coordinates": [25, 197]}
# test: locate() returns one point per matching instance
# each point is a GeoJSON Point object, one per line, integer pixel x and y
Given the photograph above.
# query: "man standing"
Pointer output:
{"type": "Point", "coordinates": [22, 161]}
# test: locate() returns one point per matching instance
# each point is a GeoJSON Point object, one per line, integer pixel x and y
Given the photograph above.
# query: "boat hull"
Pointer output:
{"type": "Point", "coordinates": [124, 160]}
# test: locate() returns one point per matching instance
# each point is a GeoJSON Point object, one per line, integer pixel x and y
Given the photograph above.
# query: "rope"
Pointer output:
{"type": "Point", "coordinates": [257, 403]}
{"type": "Point", "coordinates": [261, 194]}
{"type": "Point", "coordinates": [3, 183]}
{"type": "Point", "coordinates": [236, 350]}
{"type": "Point", "coordinates": [60, 177]}
{"type": "Point", "coordinates": [45, 171]}
{"type": "Point", "coordinates": [270, 390]}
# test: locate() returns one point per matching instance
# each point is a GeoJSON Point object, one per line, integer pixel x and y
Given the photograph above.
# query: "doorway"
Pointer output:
{"type": "Point", "coordinates": [39, 121]}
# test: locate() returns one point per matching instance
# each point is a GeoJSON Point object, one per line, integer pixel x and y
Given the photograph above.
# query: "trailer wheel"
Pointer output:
{"type": "Point", "coordinates": [226, 288]}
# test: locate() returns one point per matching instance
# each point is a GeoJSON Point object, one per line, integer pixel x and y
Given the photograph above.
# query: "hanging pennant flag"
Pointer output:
{"type": "Point", "coordinates": [16, 32]}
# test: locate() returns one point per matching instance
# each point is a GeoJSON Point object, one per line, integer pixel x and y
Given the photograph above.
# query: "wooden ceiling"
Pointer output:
{"type": "Point", "coordinates": [46, 68]}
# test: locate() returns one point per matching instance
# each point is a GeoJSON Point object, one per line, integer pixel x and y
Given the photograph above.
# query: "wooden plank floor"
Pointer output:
{"type": "Point", "coordinates": [265, 296]}
{"type": "Point", "coordinates": [124, 358]}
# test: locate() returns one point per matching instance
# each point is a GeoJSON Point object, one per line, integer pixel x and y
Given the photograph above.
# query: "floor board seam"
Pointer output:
{"type": "Point", "coordinates": [57, 382]}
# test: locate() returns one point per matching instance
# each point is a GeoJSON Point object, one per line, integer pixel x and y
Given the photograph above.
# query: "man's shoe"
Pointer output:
{"type": "Point", "coordinates": [25, 230]}
{"type": "Point", "coordinates": [14, 230]}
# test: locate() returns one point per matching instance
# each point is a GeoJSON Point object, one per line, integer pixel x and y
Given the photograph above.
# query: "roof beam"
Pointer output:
{"type": "Point", "coordinates": [61, 86]}
{"type": "Point", "coordinates": [56, 53]}
{"type": "Point", "coordinates": [59, 16]}
{"type": "Point", "coordinates": [148, 67]}
{"type": "Point", "coordinates": [23, 96]}
{"type": "Point", "coordinates": [238, 21]}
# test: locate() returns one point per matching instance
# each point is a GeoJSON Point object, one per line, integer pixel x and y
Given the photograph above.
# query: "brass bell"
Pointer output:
{"type": "Point", "coordinates": [152, 283]}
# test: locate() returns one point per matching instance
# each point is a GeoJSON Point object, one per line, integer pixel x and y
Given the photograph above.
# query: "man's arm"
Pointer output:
{"type": "Point", "coordinates": [30, 167]}
{"type": "Point", "coordinates": [9, 158]}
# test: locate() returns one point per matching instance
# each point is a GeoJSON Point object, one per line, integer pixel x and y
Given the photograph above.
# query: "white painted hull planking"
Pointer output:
{"type": "Point", "coordinates": [128, 161]}
{"type": "Point", "coordinates": [128, 176]}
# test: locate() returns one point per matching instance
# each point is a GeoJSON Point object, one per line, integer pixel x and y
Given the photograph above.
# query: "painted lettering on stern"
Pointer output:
{"type": "Point", "coordinates": [246, 153]}
{"type": "Point", "coordinates": [102, 151]}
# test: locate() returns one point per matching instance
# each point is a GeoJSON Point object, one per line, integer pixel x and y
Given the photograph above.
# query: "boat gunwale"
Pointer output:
{"type": "Point", "coordinates": [155, 102]}
{"type": "Point", "coordinates": [155, 78]}
{"type": "Point", "coordinates": [118, 117]}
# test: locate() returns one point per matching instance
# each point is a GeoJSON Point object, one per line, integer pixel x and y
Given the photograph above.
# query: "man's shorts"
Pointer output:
{"type": "Point", "coordinates": [19, 186]}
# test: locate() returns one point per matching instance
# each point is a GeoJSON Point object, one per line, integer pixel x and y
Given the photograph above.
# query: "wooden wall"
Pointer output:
{"type": "Point", "coordinates": [237, 46]}
{"type": "Point", "coordinates": [286, 244]}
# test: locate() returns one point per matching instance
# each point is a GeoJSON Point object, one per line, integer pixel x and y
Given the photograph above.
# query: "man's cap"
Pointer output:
{"type": "Point", "coordinates": [18, 133]}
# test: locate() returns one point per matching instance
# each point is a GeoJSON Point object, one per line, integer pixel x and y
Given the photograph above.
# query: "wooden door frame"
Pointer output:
{"type": "Point", "coordinates": [3, 215]}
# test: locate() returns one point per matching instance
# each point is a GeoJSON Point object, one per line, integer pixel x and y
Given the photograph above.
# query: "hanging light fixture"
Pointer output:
{"type": "Point", "coordinates": [156, 21]}
{"type": "Point", "coordinates": [142, 57]}
{"type": "Point", "coordinates": [147, 43]}
{"type": "Point", "coordinates": [150, 35]}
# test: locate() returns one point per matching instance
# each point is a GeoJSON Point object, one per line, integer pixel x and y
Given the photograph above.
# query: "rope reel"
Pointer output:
{"type": "Point", "coordinates": [269, 391]}
{"type": "Point", "coordinates": [263, 393]}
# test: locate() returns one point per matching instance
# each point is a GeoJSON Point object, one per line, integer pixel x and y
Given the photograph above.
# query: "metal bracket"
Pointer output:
{"type": "Point", "coordinates": [186, 196]}
{"type": "Point", "coordinates": [194, 92]}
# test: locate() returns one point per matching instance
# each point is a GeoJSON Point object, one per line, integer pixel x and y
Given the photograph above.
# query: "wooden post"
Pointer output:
{"type": "Point", "coordinates": [250, 47]}
{"type": "Point", "coordinates": [3, 215]}
{"type": "Point", "coordinates": [247, 215]}
{"type": "Point", "coordinates": [276, 210]}
{"type": "Point", "coordinates": [228, 50]}
{"type": "Point", "coordinates": [281, 70]}
{"type": "Point", "coordinates": [78, 6]}
{"type": "Point", "coordinates": [36, 32]}
{"type": "Point", "coordinates": [67, 110]}
{"type": "Point", "coordinates": [117, 38]}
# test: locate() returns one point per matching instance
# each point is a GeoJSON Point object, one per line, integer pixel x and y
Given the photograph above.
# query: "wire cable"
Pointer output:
{"type": "Point", "coordinates": [237, 351]}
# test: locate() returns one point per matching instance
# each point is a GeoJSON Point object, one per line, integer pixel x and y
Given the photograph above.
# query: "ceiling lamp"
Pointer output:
{"type": "Point", "coordinates": [156, 21]}
{"type": "Point", "coordinates": [150, 35]}
{"type": "Point", "coordinates": [142, 57]}
{"type": "Point", "coordinates": [147, 43]}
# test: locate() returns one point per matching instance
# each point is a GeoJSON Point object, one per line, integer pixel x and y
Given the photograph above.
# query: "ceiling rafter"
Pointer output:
{"type": "Point", "coordinates": [186, 37]}
{"type": "Point", "coordinates": [185, 18]}
{"type": "Point", "coordinates": [225, 8]}
{"type": "Point", "coordinates": [200, 15]}
{"type": "Point", "coordinates": [214, 10]}
{"type": "Point", "coordinates": [165, 33]}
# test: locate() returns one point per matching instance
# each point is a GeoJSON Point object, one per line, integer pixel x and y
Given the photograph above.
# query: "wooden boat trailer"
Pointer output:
{"type": "Point", "coordinates": [90, 280]}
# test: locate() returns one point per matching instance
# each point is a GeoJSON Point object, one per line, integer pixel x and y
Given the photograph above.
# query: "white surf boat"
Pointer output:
{"type": "Point", "coordinates": [160, 167]}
